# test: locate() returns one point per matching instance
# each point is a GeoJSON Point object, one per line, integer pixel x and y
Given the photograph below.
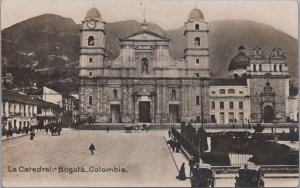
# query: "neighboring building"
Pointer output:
{"type": "Point", "coordinates": [293, 108]}
{"type": "Point", "coordinates": [229, 101]}
{"type": "Point", "coordinates": [70, 109]}
{"type": "Point", "coordinates": [48, 113]}
{"type": "Point", "coordinates": [52, 96]}
{"type": "Point", "coordinates": [18, 109]}
{"type": "Point", "coordinates": [144, 84]}
{"type": "Point", "coordinates": [267, 83]}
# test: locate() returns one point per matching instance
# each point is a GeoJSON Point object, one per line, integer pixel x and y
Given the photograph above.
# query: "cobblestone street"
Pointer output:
{"type": "Point", "coordinates": [144, 156]}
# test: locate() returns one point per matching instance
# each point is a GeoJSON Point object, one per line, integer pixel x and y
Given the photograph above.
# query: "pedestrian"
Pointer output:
{"type": "Point", "coordinates": [32, 134]}
{"type": "Point", "coordinates": [11, 133]}
{"type": "Point", "coordinates": [172, 144]}
{"type": "Point", "coordinates": [181, 175]}
{"type": "Point", "coordinates": [107, 129]}
{"type": "Point", "coordinates": [233, 126]}
{"type": "Point", "coordinates": [191, 164]}
{"type": "Point", "coordinates": [92, 148]}
{"type": "Point", "coordinates": [46, 129]}
{"type": "Point", "coordinates": [7, 133]}
{"type": "Point", "coordinates": [195, 176]}
{"type": "Point", "coordinates": [169, 132]}
{"type": "Point", "coordinates": [178, 146]}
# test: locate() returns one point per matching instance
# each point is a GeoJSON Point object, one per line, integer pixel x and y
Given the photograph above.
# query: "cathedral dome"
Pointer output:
{"type": "Point", "coordinates": [93, 13]}
{"type": "Point", "coordinates": [196, 14]}
{"type": "Point", "coordinates": [240, 61]}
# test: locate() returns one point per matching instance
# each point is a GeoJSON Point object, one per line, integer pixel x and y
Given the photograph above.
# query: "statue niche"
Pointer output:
{"type": "Point", "coordinates": [145, 65]}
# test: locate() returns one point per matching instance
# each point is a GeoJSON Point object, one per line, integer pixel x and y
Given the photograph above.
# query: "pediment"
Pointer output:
{"type": "Point", "coordinates": [145, 35]}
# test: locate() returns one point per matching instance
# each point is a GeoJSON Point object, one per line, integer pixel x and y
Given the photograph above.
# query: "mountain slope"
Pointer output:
{"type": "Point", "coordinates": [51, 42]}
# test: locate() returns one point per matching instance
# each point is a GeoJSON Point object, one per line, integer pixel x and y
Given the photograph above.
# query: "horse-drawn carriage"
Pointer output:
{"type": "Point", "coordinates": [204, 177]}
{"type": "Point", "coordinates": [137, 128]}
{"type": "Point", "coordinates": [55, 131]}
{"type": "Point", "coordinates": [128, 128]}
{"type": "Point", "coordinates": [249, 177]}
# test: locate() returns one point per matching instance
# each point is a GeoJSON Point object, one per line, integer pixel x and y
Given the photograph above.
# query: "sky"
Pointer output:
{"type": "Point", "coordinates": [169, 14]}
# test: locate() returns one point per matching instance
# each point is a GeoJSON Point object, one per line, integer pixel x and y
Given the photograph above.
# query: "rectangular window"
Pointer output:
{"type": "Point", "coordinates": [221, 117]}
{"type": "Point", "coordinates": [212, 105]}
{"type": "Point", "coordinates": [197, 74]}
{"type": "Point", "coordinates": [241, 117]}
{"type": "Point", "coordinates": [90, 100]}
{"type": "Point", "coordinates": [197, 100]}
{"type": "Point", "coordinates": [213, 92]}
{"type": "Point", "coordinates": [221, 105]}
{"type": "Point", "coordinates": [91, 74]}
{"type": "Point", "coordinates": [197, 61]}
{"type": "Point", "coordinates": [213, 119]}
{"type": "Point", "coordinates": [231, 117]}
{"type": "Point", "coordinates": [90, 59]}
{"type": "Point", "coordinates": [241, 92]}
{"type": "Point", "coordinates": [241, 105]}
{"type": "Point", "coordinates": [231, 105]}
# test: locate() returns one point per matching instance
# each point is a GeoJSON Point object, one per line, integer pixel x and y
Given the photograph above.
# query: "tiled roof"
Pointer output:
{"type": "Point", "coordinates": [42, 103]}
{"type": "Point", "coordinates": [16, 96]}
{"type": "Point", "coordinates": [228, 82]}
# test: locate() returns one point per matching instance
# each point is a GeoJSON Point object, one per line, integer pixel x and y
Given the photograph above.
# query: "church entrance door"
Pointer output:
{"type": "Point", "coordinates": [173, 111]}
{"type": "Point", "coordinates": [115, 113]}
{"type": "Point", "coordinates": [268, 114]}
{"type": "Point", "coordinates": [144, 111]}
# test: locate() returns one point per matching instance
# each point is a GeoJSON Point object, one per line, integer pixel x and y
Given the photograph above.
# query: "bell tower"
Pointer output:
{"type": "Point", "coordinates": [91, 63]}
{"type": "Point", "coordinates": [196, 52]}
{"type": "Point", "coordinates": [92, 44]}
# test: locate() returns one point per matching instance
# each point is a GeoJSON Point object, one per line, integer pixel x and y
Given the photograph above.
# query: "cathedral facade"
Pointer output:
{"type": "Point", "coordinates": [144, 84]}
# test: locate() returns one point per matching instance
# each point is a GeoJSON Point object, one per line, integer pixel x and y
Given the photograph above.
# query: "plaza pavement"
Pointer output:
{"type": "Point", "coordinates": [145, 156]}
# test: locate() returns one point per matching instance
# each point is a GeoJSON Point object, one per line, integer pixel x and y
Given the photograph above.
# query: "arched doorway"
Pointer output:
{"type": "Point", "coordinates": [268, 114]}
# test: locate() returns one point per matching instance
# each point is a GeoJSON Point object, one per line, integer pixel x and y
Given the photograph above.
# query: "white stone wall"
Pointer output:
{"type": "Point", "coordinates": [52, 96]}
{"type": "Point", "coordinates": [216, 97]}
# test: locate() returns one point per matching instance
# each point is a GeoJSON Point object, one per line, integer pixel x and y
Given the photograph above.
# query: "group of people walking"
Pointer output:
{"type": "Point", "coordinates": [174, 143]}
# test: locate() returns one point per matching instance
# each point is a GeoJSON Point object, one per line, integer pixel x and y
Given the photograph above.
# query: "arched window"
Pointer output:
{"type": "Point", "coordinates": [91, 41]}
{"type": "Point", "coordinates": [280, 68]}
{"type": "Point", "coordinates": [197, 41]}
{"type": "Point", "coordinates": [231, 91]}
{"type": "Point", "coordinates": [197, 26]}
{"type": "Point", "coordinates": [145, 65]}
{"type": "Point", "coordinates": [254, 67]}
{"type": "Point", "coordinates": [115, 94]}
{"type": "Point", "coordinates": [275, 67]}
{"type": "Point", "coordinates": [173, 94]}
{"type": "Point", "coordinates": [222, 91]}
{"type": "Point", "coordinates": [259, 67]}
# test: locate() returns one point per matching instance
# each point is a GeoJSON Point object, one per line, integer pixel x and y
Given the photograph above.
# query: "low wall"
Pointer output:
{"type": "Point", "coordinates": [120, 126]}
